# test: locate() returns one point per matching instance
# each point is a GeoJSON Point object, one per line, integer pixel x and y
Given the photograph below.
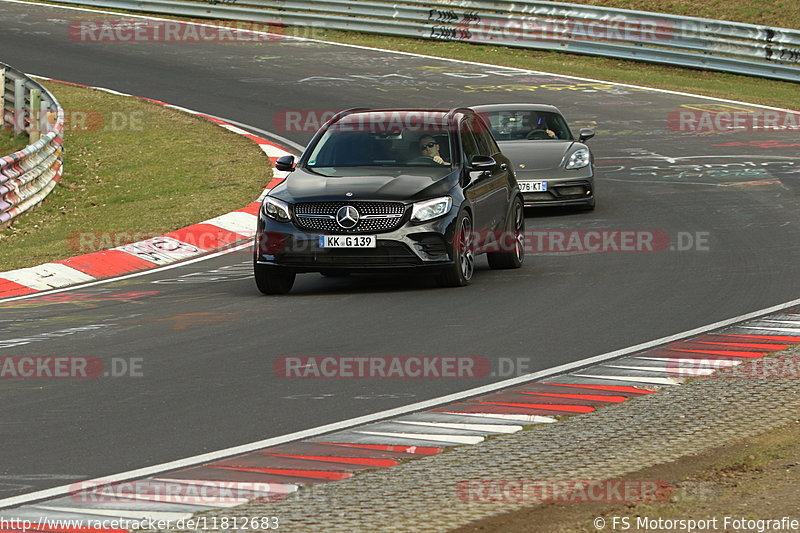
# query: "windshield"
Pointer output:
{"type": "Point", "coordinates": [528, 125]}
{"type": "Point", "coordinates": [348, 145]}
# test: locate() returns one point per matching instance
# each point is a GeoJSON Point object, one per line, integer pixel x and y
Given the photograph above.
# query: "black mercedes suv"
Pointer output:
{"type": "Point", "coordinates": [389, 190]}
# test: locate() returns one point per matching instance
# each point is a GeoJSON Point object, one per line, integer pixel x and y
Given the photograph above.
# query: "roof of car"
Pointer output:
{"type": "Point", "coordinates": [488, 108]}
{"type": "Point", "coordinates": [397, 119]}
{"type": "Point", "coordinates": [400, 110]}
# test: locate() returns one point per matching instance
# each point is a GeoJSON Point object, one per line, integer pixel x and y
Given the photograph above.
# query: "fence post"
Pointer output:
{"type": "Point", "coordinates": [18, 119]}
{"type": "Point", "coordinates": [2, 98]}
{"type": "Point", "coordinates": [34, 129]}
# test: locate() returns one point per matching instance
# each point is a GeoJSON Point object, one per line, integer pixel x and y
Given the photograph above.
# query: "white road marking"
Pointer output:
{"type": "Point", "coordinates": [397, 411]}
{"type": "Point", "coordinates": [491, 428]}
{"type": "Point", "coordinates": [530, 419]}
{"type": "Point", "coordinates": [119, 513]}
{"type": "Point", "coordinates": [46, 276]}
{"type": "Point", "coordinates": [127, 276]}
{"type": "Point", "coordinates": [638, 379]}
{"type": "Point", "coordinates": [463, 439]}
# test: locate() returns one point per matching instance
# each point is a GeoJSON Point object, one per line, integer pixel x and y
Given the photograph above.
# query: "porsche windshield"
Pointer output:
{"type": "Point", "coordinates": [528, 125]}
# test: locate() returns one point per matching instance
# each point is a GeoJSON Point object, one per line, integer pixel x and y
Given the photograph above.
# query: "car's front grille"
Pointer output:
{"type": "Point", "coordinates": [386, 253]}
{"type": "Point", "coordinates": [431, 244]}
{"type": "Point", "coordinates": [574, 190]}
{"type": "Point", "coordinates": [374, 217]}
{"type": "Point", "coordinates": [537, 196]}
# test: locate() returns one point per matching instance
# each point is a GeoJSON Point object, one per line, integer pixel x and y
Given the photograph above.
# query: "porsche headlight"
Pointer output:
{"type": "Point", "coordinates": [276, 209]}
{"type": "Point", "coordinates": [430, 209]}
{"type": "Point", "coordinates": [579, 159]}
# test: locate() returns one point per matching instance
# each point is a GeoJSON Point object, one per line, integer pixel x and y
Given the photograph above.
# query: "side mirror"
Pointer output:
{"type": "Point", "coordinates": [285, 163]}
{"type": "Point", "coordinates": [586, 134]}
{"type": "Point", "coordinates": [482, 162]}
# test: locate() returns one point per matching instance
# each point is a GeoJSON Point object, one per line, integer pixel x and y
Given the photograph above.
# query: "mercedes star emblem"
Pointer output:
{"type": "Point", "coordinates": [347, 216]}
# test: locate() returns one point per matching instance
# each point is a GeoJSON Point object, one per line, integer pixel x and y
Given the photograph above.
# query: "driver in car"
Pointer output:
{"type": "Point", "coordinates": [541, 128]}
{"type": "Point", "coordinates": [430, 148]}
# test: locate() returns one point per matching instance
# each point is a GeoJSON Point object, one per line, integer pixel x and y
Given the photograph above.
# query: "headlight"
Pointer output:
{"type": "Point", "coordinates": [430, 209]}
{"type": "Point", "coordinates": [579, 159]}
{"type": "Point", "coordinates": [276, 209]}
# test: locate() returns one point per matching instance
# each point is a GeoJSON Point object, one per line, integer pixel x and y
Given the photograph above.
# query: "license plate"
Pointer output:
{"type": "Point", "coordinates": [533, 186]}
{"type": "Point", "coordinates": [347, 241]}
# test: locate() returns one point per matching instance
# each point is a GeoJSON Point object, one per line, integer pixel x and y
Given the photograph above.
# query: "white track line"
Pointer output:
{"type": "Point", "coordinates": [397, 411]}
{"type": "Point", "coordinates": [296, 146]}
{"type": "Point", "coordinates": [127, 276]}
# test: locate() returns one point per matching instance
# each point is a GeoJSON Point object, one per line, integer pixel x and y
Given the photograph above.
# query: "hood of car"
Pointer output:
{"type": "Point", "coordinates": [537, 155]}
{"type": "Point", "coordinates": [364, 183]}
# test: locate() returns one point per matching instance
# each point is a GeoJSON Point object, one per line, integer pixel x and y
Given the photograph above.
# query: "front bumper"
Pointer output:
{"type": "Point", "coordinates": [561, 192]}
{"type": "Point", "coordinates": [412, 246]}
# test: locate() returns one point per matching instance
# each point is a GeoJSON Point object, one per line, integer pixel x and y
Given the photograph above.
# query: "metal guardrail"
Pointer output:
{"type": "Point", "coordinates": [28, 175]}
{"type": "Point", "coordinates": [639, 35]}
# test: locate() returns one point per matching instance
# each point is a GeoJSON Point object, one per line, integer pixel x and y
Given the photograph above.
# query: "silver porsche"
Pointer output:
{"type": "Point", "coordinates": [553, 167]}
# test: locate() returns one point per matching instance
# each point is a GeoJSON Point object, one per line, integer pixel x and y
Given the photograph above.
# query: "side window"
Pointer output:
{"type": "Point", "coordinates": [486, 140]}
{"type": "Point", "coordinates": [468, 141]}
{"type": "Point", "coordinates": [561, 128]}
{"type": "Point", "coordinates": [485, 143]}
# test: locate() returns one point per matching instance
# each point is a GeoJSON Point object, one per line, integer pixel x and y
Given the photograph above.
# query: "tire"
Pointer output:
{"type": "Point", "coordinates": [460, 272]}
{"type": "Point", "coordinates": [273, 280]}
{"type": "Point", "coordinates": [514, 258]}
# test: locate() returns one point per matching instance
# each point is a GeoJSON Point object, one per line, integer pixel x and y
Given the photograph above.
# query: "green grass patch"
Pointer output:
{"type": "Point", "coordinates": [10, 143]}
{"type": "Point", "coordinates": [133, 166]}
{"type": "Point", "coordinates": [762, 451]}
{"type": "Point", "coordinates": [779, 13]}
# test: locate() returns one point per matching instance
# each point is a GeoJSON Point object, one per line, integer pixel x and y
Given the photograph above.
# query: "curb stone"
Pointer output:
{"type": "Point", "coordinates": [423, 495]}
{"type": "Point", "coordinates": [198, 239]}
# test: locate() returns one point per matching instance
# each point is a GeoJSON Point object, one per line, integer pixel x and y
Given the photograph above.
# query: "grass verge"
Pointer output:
{"type": "Point", "coordinates": [754, 479]}
{"type": "Point", "coordinates": [133, 167]}
{"type": "Point", "coordinates": [10, 143]}
{"type": "Point", "coordinates": [778, 13]}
